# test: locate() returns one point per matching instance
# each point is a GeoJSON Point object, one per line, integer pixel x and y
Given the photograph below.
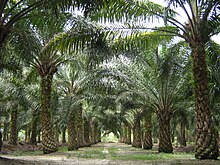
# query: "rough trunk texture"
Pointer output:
{"type": "Point", "coordinates": [206, 136]}
{"type": "Point", "coordinates": [6, 127]}
{"type": "Point", "coordinates": [147, 140]}
{"type": "Point", "coordinates": [183, 133]}
{"type": "Point", "coordinates": [14, 131]}
{"type": "Point", "coordinates": [125, 133]}
{"type": "Point", "coordinates": [92, 132]}
{"type": "Point", "coordinates": [34, 127]}
{"type": "Point", "coordinates": [121, 134]}
{"type": "Point", "coordinates": [80, 134]}
{"type": "Point", "coordinates": [57, 134]}
{"type": "Point", "coordinates": [48, 140]}
{"type": "Point", "coordinates": [137, 133]}
{"type": "Point", "coordinates": [129, 135]}
{"type": "Point", "coordinates": [165, 144]}
{"type": "Point", "coordinates": [87, 132]}
{"type": "Point", "coordinates": [96, 133]}
{"type": "Point", "coordinates": [71, 128]}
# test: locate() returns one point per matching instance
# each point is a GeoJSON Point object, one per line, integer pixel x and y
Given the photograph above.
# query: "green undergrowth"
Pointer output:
{"type": "Point", "coordinates": [27, 153]}
{"type": "Point", "coordinates": [154, 156]}
{"type": "Point", "coordinates": [125, 152]}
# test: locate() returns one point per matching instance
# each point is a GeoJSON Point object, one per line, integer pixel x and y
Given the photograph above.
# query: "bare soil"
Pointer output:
{"type": "Point", "coordinates": [60, 158]}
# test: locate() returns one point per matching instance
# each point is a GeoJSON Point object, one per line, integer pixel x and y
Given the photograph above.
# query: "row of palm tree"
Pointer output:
{"type": "Point", "coordinates": [49, 46]}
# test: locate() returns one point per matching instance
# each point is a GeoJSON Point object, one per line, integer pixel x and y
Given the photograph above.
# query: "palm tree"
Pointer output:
{"type": "Point", "coordinates": [70, 81]}
{"type": "Point", "coordinates": [53, 53]}
{"type": "Point", "coordinates": [34, 96]}
{"type": "Point", "coordinates": [14, 97]}
{"type": "Point", "coordinates": [202, 22]}
{"type": "Point", "coordinates": [155, 86]}
{"type": "Point", "coordinates": [137, 140]}
{"type": "Point", "coordinates": [147, 139]}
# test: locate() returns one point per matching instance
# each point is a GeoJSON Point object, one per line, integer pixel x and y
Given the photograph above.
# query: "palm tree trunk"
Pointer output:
{"type": "Point", "coordinates": [6, 127]}
{"type": "Point", "coordinates": [165, 144]}
{"type": "Point", "coordinates": [87, 132]}
{"type": "Point", "coordinates": [79, 126]}
{"type": "Point", "coordinates": [48, 139]}
{"type": "Point", "coordinates": [125, 134]}
{"type": "Point", "coordinates": [92, 132]}
{"type": "Point", "coordinates": [5, 134]}
{"type": "Point", "coordinates": [64, 135]}
{"type": "Point", "coordinates": [137, 133]}
{"type": "Point", "coordinates": [129, 135]}
{"type": "Point", "coordinates": [206, 136]}
{"type": "Point", "coordinates": [1, 142]}
{"type": "Point", "coordinates": [96, 133]}
{"type": "Point", "coordinates": [14, 131]}
{"type": "Point", "coordinates": [100, 136]}
{"type": "Point", "coordinates": [147, 141]}
{"type": "Point", "coordinates": [183, 133]}
{"type": "Point", "coordinates": [120, 139]}
{"type": "Point", "coordinates": [71, 128]}
{"type": "Point", "coordinates": [57, 134]}
{"type": "Point", "coordinates": [121, 134]}
{"type": "Point", "coordinates": [39, 136]}
{"type": "Point", "coordinates": [27, 133]}
{"type": "Point", "coordinates": [34, 127]}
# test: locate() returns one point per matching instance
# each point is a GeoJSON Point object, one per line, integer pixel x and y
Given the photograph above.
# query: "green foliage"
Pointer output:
{"type": "Point", "coordinates": [109, 138]}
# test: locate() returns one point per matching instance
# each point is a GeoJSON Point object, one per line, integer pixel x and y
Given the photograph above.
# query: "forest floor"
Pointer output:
{"type": "Point", "coordinates": [99, 154]}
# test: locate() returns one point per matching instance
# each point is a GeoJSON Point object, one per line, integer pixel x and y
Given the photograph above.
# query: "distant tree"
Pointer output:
{"type": "Point", "coordinates": [202, 22]}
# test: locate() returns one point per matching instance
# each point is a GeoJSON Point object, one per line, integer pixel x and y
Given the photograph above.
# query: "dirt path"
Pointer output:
{"type": "Point", "coordinates": [71, 157]}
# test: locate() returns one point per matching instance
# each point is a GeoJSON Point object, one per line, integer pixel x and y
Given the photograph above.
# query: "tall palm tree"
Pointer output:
{"type": "Point", "coordinates": [53, 52]}
{"type": "Point", "coordinates": [202, 22]}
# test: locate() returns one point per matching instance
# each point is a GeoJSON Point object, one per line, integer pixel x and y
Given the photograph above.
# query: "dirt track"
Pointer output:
{"type": "Point", "coordinates": [64, 159]}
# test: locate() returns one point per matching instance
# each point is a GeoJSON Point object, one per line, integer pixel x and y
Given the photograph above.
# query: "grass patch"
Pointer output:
{"type": "Point", "coordinates": [153, 156]}
{"type": "Point", "coordinates": [87, 152]}
{"type": "Point", "coordinates": [121, 152]}
{"type": "Point", "coordinates": [63, 149]}
{"type": "Point", "coordinates": [27, 153]}
{"type": "Point", "coordinates": [126, 153]}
